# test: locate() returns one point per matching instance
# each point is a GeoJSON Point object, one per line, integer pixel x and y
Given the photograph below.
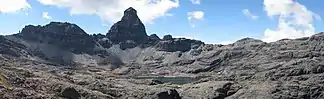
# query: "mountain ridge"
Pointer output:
{"type": "Point", "coordinates": [60, 60]}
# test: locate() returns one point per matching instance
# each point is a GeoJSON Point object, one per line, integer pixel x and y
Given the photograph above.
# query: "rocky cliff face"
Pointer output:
{"type": "Point", "coordinates": [129, 31]}
{"type": "Point", "coordinates": [126, 63]}
{"type": "Point", "coordinates": [170, 44]}
{"type": "Point", "coordinates": [11, 48]}
{"type": "Point", "coordinates": [64, 35]}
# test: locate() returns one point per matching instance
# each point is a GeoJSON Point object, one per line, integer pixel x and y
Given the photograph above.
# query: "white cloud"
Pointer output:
{"type": "Point", "coordinates": [294, 20]}
{"type": "Point", "coordinates": [112, 10]}
{"type": "Point", "coordinates": [46, 16]}
{"type": "Point", "coordinates": [195, 15]}
{"type": "Point", "coordinates": [195, 1]}
{"type": "Point", "coordinates": [10, 6]}
{"type": "Point", "coordinates": [247, 13]}
{"type": "Point", "coordinates": [199, 15]}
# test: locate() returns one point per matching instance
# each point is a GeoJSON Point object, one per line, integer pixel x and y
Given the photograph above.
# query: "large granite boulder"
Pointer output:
{"type": "Point", "coordinates": [70, 93]}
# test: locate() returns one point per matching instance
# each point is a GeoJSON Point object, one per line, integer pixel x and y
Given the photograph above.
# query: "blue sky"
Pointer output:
{"type": "Point", "coordinates": [220, 21]}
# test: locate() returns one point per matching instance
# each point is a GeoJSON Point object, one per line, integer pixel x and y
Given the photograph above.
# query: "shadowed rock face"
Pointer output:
{"type": "Point", "coordinates": [170, 44]}
{"type": "Point", "coordinates": [129, 31]}
{"type": "Point", "coordinates": [102, 40]}
{"type": "Point", "coordinates": [64, 35]}
{"type": "Point", "coordinates": [154, 37]}
{"type": "Point", "coordinates": [8, 47]}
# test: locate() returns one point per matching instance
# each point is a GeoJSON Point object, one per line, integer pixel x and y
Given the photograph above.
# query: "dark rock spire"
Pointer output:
{"type": "Point", "coordinates": [128, 29]}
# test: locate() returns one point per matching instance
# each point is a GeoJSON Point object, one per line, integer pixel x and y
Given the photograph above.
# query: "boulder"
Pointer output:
{"type": "Point", "coordinates": [169, 94]}
{"type": "Point", "coordinates": [70, 93]}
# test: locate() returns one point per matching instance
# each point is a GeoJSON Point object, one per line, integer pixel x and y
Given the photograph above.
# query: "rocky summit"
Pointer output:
{"type": "Point", "coordinates": [61, 61]}
{"type": "Point", "coordinates": [129, 31]}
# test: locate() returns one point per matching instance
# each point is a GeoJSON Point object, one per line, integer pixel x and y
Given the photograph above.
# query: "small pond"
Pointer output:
{"type": "Point", "coordinates": [172, 80]}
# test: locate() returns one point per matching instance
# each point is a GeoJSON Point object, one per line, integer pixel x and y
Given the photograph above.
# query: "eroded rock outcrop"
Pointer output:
{"type": "Point", "coordinates": [170, 44]}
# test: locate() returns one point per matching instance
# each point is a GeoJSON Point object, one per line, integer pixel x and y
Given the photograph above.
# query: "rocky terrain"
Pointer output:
{"type": "Point", "coordinates": [61, 61]}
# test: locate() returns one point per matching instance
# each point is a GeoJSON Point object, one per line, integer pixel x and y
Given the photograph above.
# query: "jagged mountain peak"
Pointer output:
{"type": "Point", "coordinates": [130, 10]}
{"type": "Point", "coordinates": [130, 17]}
{"type": "Point", "coordinates": [129, 28]}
